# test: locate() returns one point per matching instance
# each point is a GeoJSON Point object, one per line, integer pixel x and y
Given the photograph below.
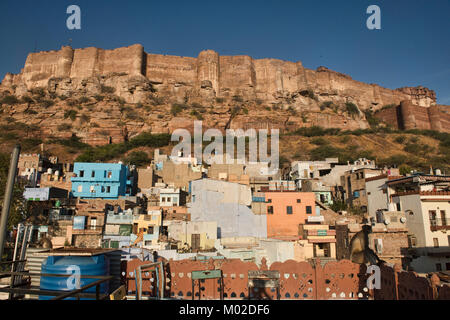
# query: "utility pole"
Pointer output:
{"type": "Point", "coordinates": [8, 197]}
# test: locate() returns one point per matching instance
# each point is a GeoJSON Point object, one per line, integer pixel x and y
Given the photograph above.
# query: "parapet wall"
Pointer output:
{"type": "Point", "coordinates": [266, 79]}
{"type": "Point", "coordinates": [336, 280]}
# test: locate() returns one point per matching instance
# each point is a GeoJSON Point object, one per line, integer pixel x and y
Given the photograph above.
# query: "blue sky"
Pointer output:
{"type": "Point", "coordinates": [412, 48]}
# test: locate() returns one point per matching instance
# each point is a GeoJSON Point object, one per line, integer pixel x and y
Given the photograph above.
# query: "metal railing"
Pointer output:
{"type": "Point", "coordinates": [439, 223]}
{"type": "Point", "coordinates": [58, 295]}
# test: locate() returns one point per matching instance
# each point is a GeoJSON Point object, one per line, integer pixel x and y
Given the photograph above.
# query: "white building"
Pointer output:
{"type": "Point", "coordinates": [425, 200]}
{"type": "Point", "coordinates": [169, 197]}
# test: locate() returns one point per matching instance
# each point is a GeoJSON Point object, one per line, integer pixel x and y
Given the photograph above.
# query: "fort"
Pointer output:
{"type": "Point", "coordinates": [211, 74]}
{"type": "Point", "coordinates": [406, 116]}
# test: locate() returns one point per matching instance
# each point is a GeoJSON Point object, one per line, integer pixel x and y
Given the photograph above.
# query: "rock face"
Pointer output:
{"type": "Point", "coordinates": [267, 93]}
{"type": "Point", "coordinates": [205, 77]}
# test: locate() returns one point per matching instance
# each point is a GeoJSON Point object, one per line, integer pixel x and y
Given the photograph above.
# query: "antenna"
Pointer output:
{"type": "Point", "coordinates": [70, 42]}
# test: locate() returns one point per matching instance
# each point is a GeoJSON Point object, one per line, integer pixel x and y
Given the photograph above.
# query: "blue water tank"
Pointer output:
{"type": "Point", "coordinates": [87, 265]}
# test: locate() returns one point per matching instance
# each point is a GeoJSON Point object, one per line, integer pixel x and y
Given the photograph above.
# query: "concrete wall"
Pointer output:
{"type": "Point", "coordinates": [183, 231]}
{"type": "Point", "coordinates": [376, 199]}
{"type": "Point", "coordinates": [228, 204]}
{"type": "Point", "coordinates": [281, 224]}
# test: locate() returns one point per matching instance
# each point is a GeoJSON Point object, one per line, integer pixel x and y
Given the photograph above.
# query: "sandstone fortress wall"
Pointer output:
{"type": "Point", "coordinates": [409, 116]}
{"type": "Point", "coordinates": [219, 76]}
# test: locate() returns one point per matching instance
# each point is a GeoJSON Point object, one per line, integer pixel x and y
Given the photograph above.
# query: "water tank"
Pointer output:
{"type": "Point", "coordinates": [49, 171]}
{"type": "Point", "coordinates": [87, 265]}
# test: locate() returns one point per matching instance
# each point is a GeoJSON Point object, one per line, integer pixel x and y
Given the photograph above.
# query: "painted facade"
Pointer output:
{"type": "Point", "coordinates": [101, 180]}
{"type": "Point", "coordinates": [286, 211]}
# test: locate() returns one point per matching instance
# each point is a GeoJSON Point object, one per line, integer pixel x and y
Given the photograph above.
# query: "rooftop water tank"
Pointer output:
{"type": "Point", "coordinates": [87, 265]}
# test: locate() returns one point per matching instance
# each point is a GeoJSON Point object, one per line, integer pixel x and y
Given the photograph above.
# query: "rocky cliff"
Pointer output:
{"type": "Point", "coordinates": [224, 91]}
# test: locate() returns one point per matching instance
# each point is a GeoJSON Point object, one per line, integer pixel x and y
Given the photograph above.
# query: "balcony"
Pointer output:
{"type": "Point", "coordinates": [119, 218]}
{"type": "Point", "coordinates": [439, 224]}
{"type": "Point", "coordinates": [59, 217]}
{"type": "Point", "coordinates": [89, 230]}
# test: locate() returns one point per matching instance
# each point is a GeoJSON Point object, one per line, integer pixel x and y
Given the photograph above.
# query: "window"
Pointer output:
{"type": "Point", "coordinates": [150, 230]}
{"type": "Point", "coordinates": [443, 218]}
{"type": "Point", "coordinates": [398, 206]}
{"type": "Point", "coordinates": [93, 223]}
{"type": "Point", "coordinates": [432, 215]}
{"type": "Point", "coordinates": [289, 209]}
{"type": "Point", "coordinates": [92, 174]}
{"type": "Point", "coordinates": [92, 189]}
{"type": "Point", "coordinates": [163, 199]}
{"type": "Point", "coordinates": [109, 174]}
{"type": "Point", "coordinates": [270, 209]}
{"type": "Point", "coordinates": [438, 267]}
{"type": "Point", "coordinates": [81, 173]}
{"type": "Point", "coordinates": [108, 189]}
{"type": "Point", "coordinates": [168, 199]}
{"type": "Point", "coordinates": [299, 200]}
{"type": "Point", "coordinates": [412, 241]}
{"type": "Point", "coordinates": [447, 266]}
{"type": "Point", "coordinates": [269, 200]}
{"type": "Point", "coordinates": [103, 189]}
{"type": "Point", "coordinates": [436, 242]}
{"type": "Point", "coordinates": [80, 188]}
{"type": "Point", "coordinates": [308, 209]}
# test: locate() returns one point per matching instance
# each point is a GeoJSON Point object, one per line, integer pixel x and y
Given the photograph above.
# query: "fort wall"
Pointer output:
{"type": "Point", "coordinates": [266, 79]}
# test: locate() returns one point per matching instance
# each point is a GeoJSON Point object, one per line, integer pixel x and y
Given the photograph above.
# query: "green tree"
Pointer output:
{"type": "Point", "coordinates": [404, 169]}
{"type": "Point", "coordinates": [17, 211]}
{"type": "Point", "coordinates": [138, 158]}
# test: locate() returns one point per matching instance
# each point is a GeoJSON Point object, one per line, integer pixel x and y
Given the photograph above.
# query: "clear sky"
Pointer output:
{"type": "Point", "coordinates": [412, 48]}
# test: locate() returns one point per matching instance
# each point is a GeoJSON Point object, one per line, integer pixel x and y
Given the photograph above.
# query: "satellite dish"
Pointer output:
{"type": "Point", "coordinates": [386, 221]}
{"type": "Point", "coordinates": [402, 219]}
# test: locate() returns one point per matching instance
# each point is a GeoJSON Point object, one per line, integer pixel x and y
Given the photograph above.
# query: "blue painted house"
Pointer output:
{"type": "Point", "coordinates": [101, 180]}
